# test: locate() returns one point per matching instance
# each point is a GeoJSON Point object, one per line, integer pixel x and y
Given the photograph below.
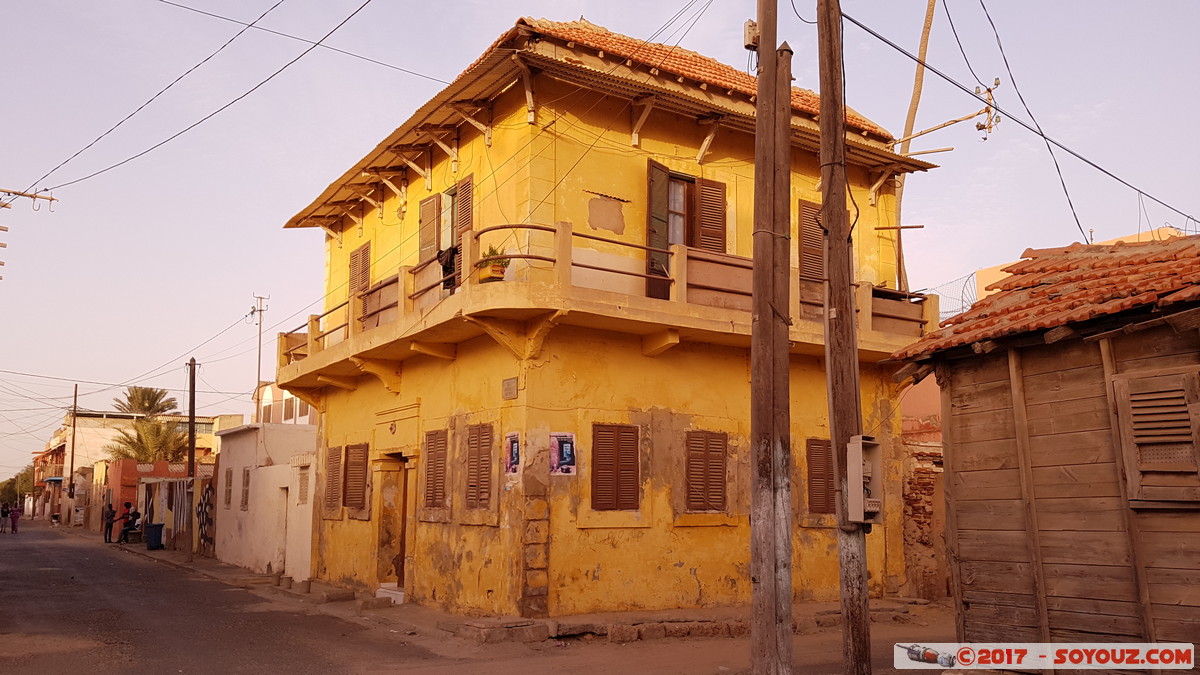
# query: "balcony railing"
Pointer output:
{"type": "Point", "coordinates": [688, 276]}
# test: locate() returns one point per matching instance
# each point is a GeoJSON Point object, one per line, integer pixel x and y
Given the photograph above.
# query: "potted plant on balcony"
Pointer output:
{"type": "Point", "coordinates": [492, 270]}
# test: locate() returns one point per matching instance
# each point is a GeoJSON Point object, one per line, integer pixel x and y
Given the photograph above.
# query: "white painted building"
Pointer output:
{"type": "Point", "coordinates": [264, 498]}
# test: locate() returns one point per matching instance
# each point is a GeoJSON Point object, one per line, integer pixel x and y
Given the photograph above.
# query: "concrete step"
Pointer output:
{"type": "Point", "coordinates": [390, 590]}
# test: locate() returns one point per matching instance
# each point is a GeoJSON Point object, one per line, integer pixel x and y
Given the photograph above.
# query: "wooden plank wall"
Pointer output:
{"type": "Point", "coordinates": [992, 564]}
{"type": "Point", "coordinates": [1169, 539]}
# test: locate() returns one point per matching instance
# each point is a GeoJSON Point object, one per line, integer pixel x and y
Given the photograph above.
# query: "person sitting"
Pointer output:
{"type": "Point", "coordinates": [132, 520]}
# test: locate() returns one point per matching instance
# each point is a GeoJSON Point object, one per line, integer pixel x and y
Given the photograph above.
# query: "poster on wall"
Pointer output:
{"type": "Point", "coordinates": [512, 452]}
{"type": "Point", "coordinates": [562, 453]}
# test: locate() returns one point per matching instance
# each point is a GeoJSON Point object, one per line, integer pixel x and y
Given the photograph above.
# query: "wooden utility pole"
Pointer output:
{"type": "Point", "coordinates": [257, 311]}
{"type": "Point", "coordinates": [74, 424]}
{"type": "Point", "coordinates": [770, 423]}
{"type": "Point", "coordinates": [191, 484]}
{"type": "Point", "coordinates": [841, 338]}
{"type": "Point", "coordinates": [909, 123]}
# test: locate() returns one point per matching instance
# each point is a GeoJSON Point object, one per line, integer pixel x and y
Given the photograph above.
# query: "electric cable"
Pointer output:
{"type": "Point", "coordinates": [1062, 181]}
{"type": "Point", "coordinates": [1015, 119]}
{"type": "Point", "coordinates": [797, 13]}
{"type": "Point", "coordinates": [155, 97]}
{"type": "Point", "coordinates": [218, 110]}
{"type": "Point", "coordinates": [108, 384]}
{"type": "Point", "coordinates": [946, 6]}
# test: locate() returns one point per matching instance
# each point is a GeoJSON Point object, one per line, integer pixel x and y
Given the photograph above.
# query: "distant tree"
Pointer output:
{"type": "Point", "coordinates": [146, 400]}
{"type": "Point", "coordinates": [149, 440]}
{"type": "Point", "coordinates": [14, 488]}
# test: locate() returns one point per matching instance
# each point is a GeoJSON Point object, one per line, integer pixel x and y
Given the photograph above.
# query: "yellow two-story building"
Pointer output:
{"type": "Point", "coordinates": [533, 364]}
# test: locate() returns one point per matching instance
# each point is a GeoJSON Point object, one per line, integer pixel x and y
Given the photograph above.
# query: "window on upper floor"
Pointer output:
{"type": "Point", "coordinates": [681, 209]}
{"type": "Point", "coordinates": [812, 242]}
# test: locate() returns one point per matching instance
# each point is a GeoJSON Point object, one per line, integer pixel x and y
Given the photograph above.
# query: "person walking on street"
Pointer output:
{"type": "Point", "coordinates": [15, 515]}
{"type": "Point", "coordinates": [110, 516]}
{"type": "Point", "coordinates": [5, 513]}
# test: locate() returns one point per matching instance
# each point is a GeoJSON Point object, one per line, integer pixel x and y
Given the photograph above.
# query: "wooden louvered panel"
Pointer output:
{"type": "Point", "coordinates": [464, 217]}
{"type": "Point", "coordinates": [1158, 422]}
{"type": "Point", "coordinates": [604, 467]}
{"type": "Point", "coordinates": [812, 242]}
{"type": "Point", "coordinates": [429, 225]}
{"type": "Point", "coordinates": [657, 230]}
{"type": "Point", "coordinates": [821, 479]}
{"type": "Point", "coordinates": [479, 466]}
{"type": "Point", "coordinates": [304, 479]}
{"type": "Point", "coordinates": [629, 484]}
{"type": "Point", "coordinates": [710, 216]}
{"type": "Point", "coordinates": [705, 470]}
{"type": "Point", "coordinates": [435, 469]}
{"type": "Point", "coordinates": [355, 482]}
{"type": "Point", "coordinates": [228, 487]}
{"type": "Point", "coordinates": [333, 478]}
{"type": "Point", "coordinates": [472, 490]}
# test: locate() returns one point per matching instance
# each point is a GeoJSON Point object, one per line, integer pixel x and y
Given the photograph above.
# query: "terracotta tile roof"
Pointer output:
{"type": "Point", "coordinates": [1056, 287]}
{"type": "Point", "coordinates": [681, 62]}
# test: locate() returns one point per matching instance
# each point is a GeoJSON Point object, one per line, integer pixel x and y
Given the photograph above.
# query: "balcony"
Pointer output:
{"type": "Point", "coordinates": [562, 276]}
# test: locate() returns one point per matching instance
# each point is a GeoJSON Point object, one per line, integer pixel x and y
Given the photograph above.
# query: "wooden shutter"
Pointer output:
{"type": "Point", "coordinates": [354, 494]}
{"type": "Point", "coordinates": [360, 268]}
{"type": "Point", "coordinates": [705, 470]}
{"type": "Point", "coordinates": [429, 225]}
{"type": "Point", "coordinates": [289, 409]}
{"type": "Point", "coordinates": [245, 488]}
{"type": "Point", "coordinates": [464, 220]}
{"type": "Point", "coordinates": [228, 487]}
{"type": "Point", "coordinates": [709, 232]}
{"type": "Point", "coordinates": [479, 466]}
{"type": "Point", "coordinates": [616, 471]}
{"type": "Point", "coordinates": [1160, 424]}
{"type": "Point", "coordinates": [657, 230]}
{"type": "Point", "coordinates": [812, 242]}
{"type": "Point", "coordinates": [302, 498]}
{"type": "Point", "coordinates": [333, 477]}
{"type": "Point", "coordinates": [821, 478]}
{"type": "Point", "coordinates": [435, 469]}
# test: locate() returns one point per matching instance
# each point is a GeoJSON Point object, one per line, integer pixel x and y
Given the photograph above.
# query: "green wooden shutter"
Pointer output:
{"type": "Point", "coordinates": [657, 231]}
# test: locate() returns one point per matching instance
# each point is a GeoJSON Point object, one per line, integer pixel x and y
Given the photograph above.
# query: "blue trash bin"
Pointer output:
{"type": "Point", "coordinates": [153, 533]}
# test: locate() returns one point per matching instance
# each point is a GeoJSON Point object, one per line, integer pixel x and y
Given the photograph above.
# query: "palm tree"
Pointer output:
{"type": "Point", "coordinates": [149, 440]}
{"type": "Point", "coordinates": [146, 400]}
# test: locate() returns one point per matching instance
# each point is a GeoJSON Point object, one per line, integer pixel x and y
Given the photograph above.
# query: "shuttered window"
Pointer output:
{"type": "Point", "coordinates": [479, 466]}
{"type": "Point", "coordinates": [228, 487]}
{"type": "Point", "coordinates": [616, 471]}
{"type": "Point", "coordinates": [812, 242]}
{"type": "Point", "coordinates": [302, 498]}
{"type": "Point", "coordinates": [708, 227]}
{"type": "Point", "coordinates": [435, 469]}
{"type": "Point", "coordinates": [821, 478]}
{"type": "Point", "coordinates": [1160, 419]}
{"type": "Point", "coordinates": [289, 408]}
{"type": "Point", "coordinates": [705, 470]}
{"type": "Point", "coordinates": [360, 268]}
{"type": "Point", "coordinates": [430, 223]}
{"type": "Point", "coordinates": [657, 228]}
{"type": "Point", "coordinates": [464, 220]}
{"type": "Point", "coordinates": [354, 483]}
{"type": "Point", "coordinates": [245, 488]}
{"type": "Point", "coordinates": [333, 478]}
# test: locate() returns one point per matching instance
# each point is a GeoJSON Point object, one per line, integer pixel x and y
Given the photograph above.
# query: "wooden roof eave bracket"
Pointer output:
{"type": "Point", "coordinates": [350, 214]}
{"type": "Point", "coordinates": [325, 223]}
{"type": "Point", "coordinates": [423, 173]}
{"type": "Point", "coordinates": [646, 103]}
{"type": "Point", "coordinates": [885, 172]}
{"type": "Point", "coordinates": [451, 151]}
{"type": "Point", "coordinates": [485, 129]}
{"type": "Point", "coordinates": [364, 194]}
{"type": "Point", "coordinates": [400, 191]}
{"type": "Point", "coordinates": [713, 124]}
{"type": "Point", "coordinates": [527, 80]}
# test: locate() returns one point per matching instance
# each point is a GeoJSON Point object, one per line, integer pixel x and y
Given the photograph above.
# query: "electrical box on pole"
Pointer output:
{"type": "Point", "coordinates": [864, 482]}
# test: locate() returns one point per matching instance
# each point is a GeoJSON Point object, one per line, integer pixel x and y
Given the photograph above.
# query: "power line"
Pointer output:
{"type": "Point", "coordinates": [797, 13]}
{"type": "Point", "coordinates": [218, 110]}
{"type": "Point", "coordinates": [1062, 181]}
{"type": "Point", "coordinates": [305, 40]}
{"type": "Point", "coordinates": [946, 6]}
{"type": "Point", "coordinates": [1018, 120]}
{"type": "Point", "coordinates": [109, 385]}
{"type": "Point", "coordinates": [154, 97]}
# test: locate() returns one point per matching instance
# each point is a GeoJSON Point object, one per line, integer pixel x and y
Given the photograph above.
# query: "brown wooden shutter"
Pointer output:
{"type": "Point", "coordinates": [821, 479]}
{"type": "Point", "coordinates": [435, 469]}
{"type": "Point", "coordinates": [812, 242]}
{"type": "Point", "coordinates": [333, 478]}
{"type": "Point", "coordinates": [354, 494]}
{"type": "Point", "coordinates": [710, 216]}
{"type": "Point", "coordinates": [360, 268]}
{"type": "Point", "coordinates": [429, 226]}
{"type": "Point", "coordinates": [629, 483]}
{"type": "Point", "coordinates": [302, 498]}
{"type": "Point", "coordinates": [479, 466]}
{"type": "Point", "coordinates": [1160, 424]}
{"type": "Point", "coordinates": [616, 470]}
{"type": "Point", "coordinates": [245, 489]}
{"type": "Point", "coordinates": [228, 487]}
{"type": "Point", "coordinates": [657, 231]}
{"type": "Point", "coordinates": [464, 219]}
{"type": "Point", "coordinates": [705, 470]}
